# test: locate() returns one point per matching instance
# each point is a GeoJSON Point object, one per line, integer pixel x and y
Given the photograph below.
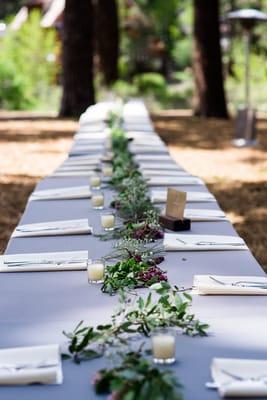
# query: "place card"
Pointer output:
{"type": "Point", "coordinates": [174, 218]}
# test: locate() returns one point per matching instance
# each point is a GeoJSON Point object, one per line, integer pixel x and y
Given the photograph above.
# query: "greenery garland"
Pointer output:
{"type": "Point", "coordinates": [137, 257]}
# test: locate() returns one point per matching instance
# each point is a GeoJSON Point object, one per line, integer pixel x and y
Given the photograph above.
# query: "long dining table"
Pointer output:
{"type": "Point", "coordinates": [36, 307]}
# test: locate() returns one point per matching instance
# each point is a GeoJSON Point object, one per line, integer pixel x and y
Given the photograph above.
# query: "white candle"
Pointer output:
{"type": "Point", "coordinates": [107, 171]}
{"type": "Point", "coordinates": [95, 271]}
{"type": "Point", "coordinates": [98, 201]}
{"type": "Point", "coordinates": [163, 346]}
{"type": "Point", "coordinates": [108, 144]}
{"type": "Point", "coordinates": [108, 221]}
{"type": "Point", "coordinates": [95, 181]}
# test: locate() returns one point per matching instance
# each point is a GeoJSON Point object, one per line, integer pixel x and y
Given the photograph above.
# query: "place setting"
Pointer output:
{"type": "Point", "coordinates": [65, 193]}
{"type": "Point", "coordinates": [53, 228]}
{"type": "Point", "coordinates": [160, 196]}
{"type": "Point", "coordinates": [241, 378]}
{"type": "Point", "coordinates": [174, 180]}
{"type": "Point", "coordinates": [229, 285]}
{"type": "Point", "coordinates": [188, 242]}
{"type": "Point", "coordinates": [39, 365]}
{"type": "Point", "coordinates": [42, 262]}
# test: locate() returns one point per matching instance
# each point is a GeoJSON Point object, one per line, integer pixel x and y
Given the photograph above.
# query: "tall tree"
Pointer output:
{"type": "Point", "coordinates": [107, 38]}
{"type": "Point", "coordinates": [78, 88]}
{"type": "Point", "coordinates": [207, 60]}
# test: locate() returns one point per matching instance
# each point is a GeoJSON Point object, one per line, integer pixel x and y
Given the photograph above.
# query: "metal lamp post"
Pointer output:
{"type": "Point", "coordinates": [246, 117]}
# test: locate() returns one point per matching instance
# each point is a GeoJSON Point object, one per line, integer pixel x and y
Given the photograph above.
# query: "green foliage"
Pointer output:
{"type": "Point", "coordinates": [142, 316]}
{"type": "Point", "coordinates": [25, 53]}
{"type": "Point", "coordinates": [137, 379]}
{"type": "Point", "coordinates": [131, 273]}
{"type": "Point", "coordinates": [12, 88]}
{"type": "Point", "coordinates": [149, 83]}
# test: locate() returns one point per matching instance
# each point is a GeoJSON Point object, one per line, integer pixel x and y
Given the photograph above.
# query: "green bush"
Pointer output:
{"type": "Point", "coordinates": [124, 89]}
{"type": "Point", "coordinates": [150, 83]}
{"type": "Point", "coordinates": [28, 66]}
{"type": "Point", "coordinates": [12, 89]}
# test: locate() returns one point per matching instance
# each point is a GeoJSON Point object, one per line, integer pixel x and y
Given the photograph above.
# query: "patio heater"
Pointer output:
{"type": "Point", "coordinates": [246, 116]}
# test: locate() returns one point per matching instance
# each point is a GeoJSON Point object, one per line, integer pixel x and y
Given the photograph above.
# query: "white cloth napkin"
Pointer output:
{"type": "Point", "coordinates": [204, 215]}
{"type": "Point", "coordinates": [79, 167]}
{"type": "Point", "coordinates": [83, 134]}
{"type": "Point", "coordinates": [74, 192]}
{"type": "Point", "coordinates": [52, 228]}
{"type": "Point", "coordinates": [84, 159]}
{"type": "Point", "coordinates": [244, 370]}
{"type": "Point", "coordinates": [59, 261]}
{"type": "Point", "coordinates": [151, 165]}
{"type": "Point", "coordinates": [150, 173]}
{"type": "Point", "coordinates": [166, 181]}
{"type": "Point", "coordinates": [149, 149]}
{"type": "Point", "coordinates": [180, 242]}
{"type": "Point", "coordinates": [13, 359]}
{"type": "Point", "coordinates": [160, 196]}
{"type": "Point", "coordinates": [63, 173]}
{"type": "Point", "coordinates": [153, 157]}
{"type": "Point", "coordinates": [231, 285]}
{"type": "Point", "coordinates": [87, 147]}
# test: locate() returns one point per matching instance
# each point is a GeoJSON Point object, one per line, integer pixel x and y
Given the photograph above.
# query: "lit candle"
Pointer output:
{"type": "Point", "coordinates": [95, 271]}
{"type": "Point", "coordinates": [163, 346]}
{"type": "Point", "coordinates": [107, 170]}
{"type": "Point", "coordinates": [95, 182]}
{"type": "Point", "coordinates": [108, 221]}
{"type": "Point", "coordinates": [98, 201]}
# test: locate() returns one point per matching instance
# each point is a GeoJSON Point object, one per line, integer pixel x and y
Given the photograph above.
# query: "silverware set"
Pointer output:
{"type": "Point", "coordinates": [244, 284]}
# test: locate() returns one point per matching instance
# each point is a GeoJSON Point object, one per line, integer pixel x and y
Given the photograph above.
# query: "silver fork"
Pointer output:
{"type": "Point", "coordinates": [56, 262]}
{"type": "Point", "coordinates": [19, 367]}
{"type": "Point", "coordinates": [204, 243]}
{"type": "Point", "coordinates": [260, 285]}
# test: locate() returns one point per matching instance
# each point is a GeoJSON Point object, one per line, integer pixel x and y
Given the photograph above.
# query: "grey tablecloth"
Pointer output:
{"type": "Point", "coordinates": [36, 307]}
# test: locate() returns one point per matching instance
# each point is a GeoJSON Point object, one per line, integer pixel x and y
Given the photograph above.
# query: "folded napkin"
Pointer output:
{"type": "Point", "coordinates": [28, 365]}
{"type": "Point", "coordinates": [177, 242]}
{"type": "Point", "coordinates": [67, 193]}
{"type": "Point", "coordinates": [59, 261]}
{"type": "Point", "coordinates": [52, 228]}
{"type": "Point", "coordinates": [79, 167]}
{"type": "Point", "coordinates": [94, 163]}
{"type": "Point", "coordinates": [83, 134]}
{"type": "Point", "coordinates": [240, 377]}
{"type": "Point", "coordinates": [170, 165]}
{"type": "Point", "coordinates": [149, 149]}
{"type": "Point", "coordinates": [160, 196]}
{"type": "Point", "coordinates": [84, 159]}
{"type": "Point", "coordinates": [87, 147]}
{"type": "Point", "coordinates": [167, 181]}
{"type": "Point", "coordinates": [232, 285]}
{"type": "Point", "coordinates": [204, 215]}
{"type": "Point", "coordinates": [59, 173]}
{"type": "Point", "coordinates": [151, 173]}
{"type": "Point", "coordinates": [152, 157]}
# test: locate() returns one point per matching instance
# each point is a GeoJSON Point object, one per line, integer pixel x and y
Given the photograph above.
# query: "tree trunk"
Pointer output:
{"type": "Point", "coordinates": [207, 60]}
{"type": "Point", "coordinates": [107, 37]}
{"type": "Point", "coordinates": [78, 88]}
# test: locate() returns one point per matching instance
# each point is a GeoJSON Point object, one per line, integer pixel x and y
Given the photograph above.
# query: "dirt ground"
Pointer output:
{"type": "Point", "coordinates": [32, 147]}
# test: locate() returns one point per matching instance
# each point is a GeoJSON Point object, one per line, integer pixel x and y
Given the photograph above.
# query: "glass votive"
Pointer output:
{"type": "Point", "coordinates": [97, 201]}
{"type": "Point", "coordinates": [163, 345]}
{"type": "Point", "coordinates": [95, 182]}
{"type": "Point", "coordinates": [108, 221]}
{"type": "Point", "coordinates": [95, 271]}
{"type": "Point", "coordinates": [107, 170]}
{"type": "Point", "coordinates": [108, 143]}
